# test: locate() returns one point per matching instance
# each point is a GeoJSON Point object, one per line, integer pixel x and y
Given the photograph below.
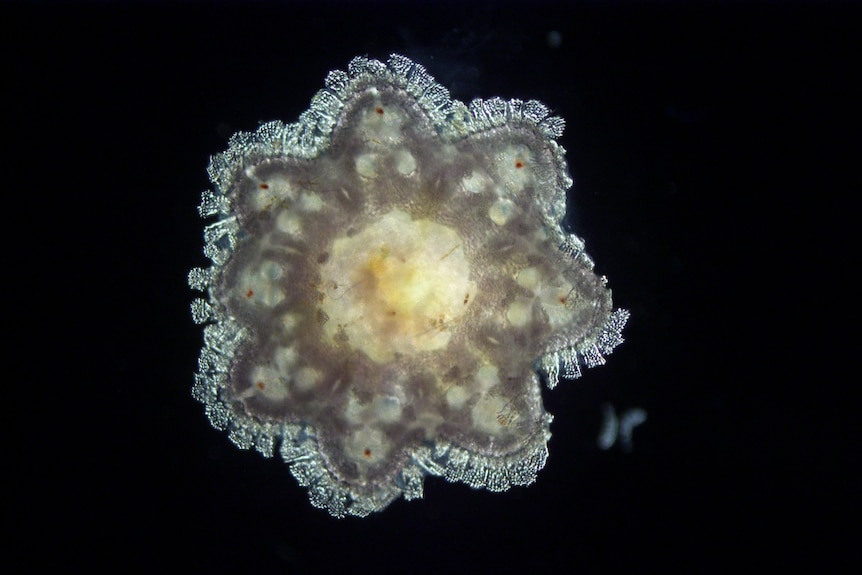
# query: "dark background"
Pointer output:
{"type": "Point", "coordinates": [715, 150]}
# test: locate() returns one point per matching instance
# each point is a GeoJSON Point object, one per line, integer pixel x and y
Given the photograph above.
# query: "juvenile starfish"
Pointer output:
{"type": "Point", "coordinates": [389, 285]}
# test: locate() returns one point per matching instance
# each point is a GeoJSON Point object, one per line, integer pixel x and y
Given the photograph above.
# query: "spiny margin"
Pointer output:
{"type": "Point", "coordinates": [562, 361]}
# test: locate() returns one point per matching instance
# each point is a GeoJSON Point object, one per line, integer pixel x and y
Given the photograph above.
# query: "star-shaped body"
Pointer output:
{"type": "Point", "coordinates": [390, 283]}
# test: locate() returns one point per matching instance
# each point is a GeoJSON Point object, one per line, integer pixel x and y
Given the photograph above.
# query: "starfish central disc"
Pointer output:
{"type": "Point", "coordinates": [398, 286]}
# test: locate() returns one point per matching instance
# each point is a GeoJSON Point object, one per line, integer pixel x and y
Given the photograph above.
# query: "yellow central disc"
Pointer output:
{"type": "Point", "coordinates": [398, 286]}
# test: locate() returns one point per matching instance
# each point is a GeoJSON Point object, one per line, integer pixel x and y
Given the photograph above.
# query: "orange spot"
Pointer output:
{"type": "Point", "coordinates": [519, 164]}
{"type": "Point", "coordinates": [263, 186]}
{"type": "Point", "coordinates": [367, 452]}
{"type": "Point", "coordinates": [563, 299]}
{"type": "Point", "coordinates": [249, 293]}
{"type": "Point", "coordinates": [261, 385]}
{"type": "Point", "coordinates": [379, 110]}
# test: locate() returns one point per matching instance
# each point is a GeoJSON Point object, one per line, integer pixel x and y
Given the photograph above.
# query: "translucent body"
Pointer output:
{"type": "Point", "coordinates": [389, 284]}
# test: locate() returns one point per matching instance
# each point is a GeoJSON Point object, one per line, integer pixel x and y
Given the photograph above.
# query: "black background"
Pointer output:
{"type": "Point", "coordinates": [715, 150]}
